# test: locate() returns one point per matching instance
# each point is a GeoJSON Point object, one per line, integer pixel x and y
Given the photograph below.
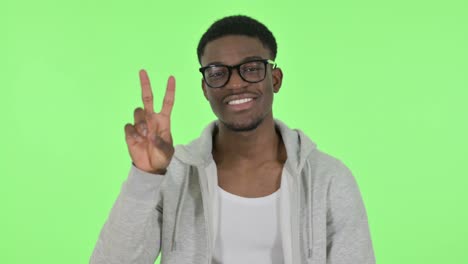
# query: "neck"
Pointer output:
{"type": "Point", "coordinates": [262, 144]}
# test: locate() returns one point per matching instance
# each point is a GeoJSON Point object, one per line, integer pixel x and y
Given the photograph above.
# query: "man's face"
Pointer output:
{"type": "Point", "coordinates": [256, 99]}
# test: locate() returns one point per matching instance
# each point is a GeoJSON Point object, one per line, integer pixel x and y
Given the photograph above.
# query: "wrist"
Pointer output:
{"type": "Point", "coordinates": [153, 171]}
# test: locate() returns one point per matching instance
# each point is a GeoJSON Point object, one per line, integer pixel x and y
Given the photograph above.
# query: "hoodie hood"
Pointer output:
{"type": "Point", "coordinates": [298, 147]}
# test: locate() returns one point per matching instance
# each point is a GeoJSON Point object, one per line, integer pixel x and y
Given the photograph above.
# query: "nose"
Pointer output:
{"type": "Point", "coordinates": [236, 81]}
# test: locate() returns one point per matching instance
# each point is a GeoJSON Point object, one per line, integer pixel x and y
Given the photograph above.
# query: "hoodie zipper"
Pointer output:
{"type": "Point", "coordinates": [207, 215]}
{"type": "Point", "coordinates": [309, 219]}
{"type": "Point", "coordinates": [205, 209]}
{"type": "Point", "coordinates": [179, 211]}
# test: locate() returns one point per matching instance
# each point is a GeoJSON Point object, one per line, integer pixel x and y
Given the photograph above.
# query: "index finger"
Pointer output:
{"type": "Point", "coordinates": [146, 93]}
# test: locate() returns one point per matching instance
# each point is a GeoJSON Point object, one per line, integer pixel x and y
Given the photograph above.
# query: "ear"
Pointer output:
{"type": "Point", "coordinates": [203, 85]}
{"type": "Point", "coordinates": [277, 75]}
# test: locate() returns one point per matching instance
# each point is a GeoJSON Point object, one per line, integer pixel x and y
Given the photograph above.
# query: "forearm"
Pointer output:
{"type": "Point", "coordinates": [132, 231]}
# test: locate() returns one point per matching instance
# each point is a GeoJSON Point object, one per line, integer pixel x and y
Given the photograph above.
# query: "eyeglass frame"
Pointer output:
{"type": "Point", "coordinates": [237, 67]}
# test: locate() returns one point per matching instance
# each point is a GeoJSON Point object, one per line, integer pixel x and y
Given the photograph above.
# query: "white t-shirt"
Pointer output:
{"type": "Point", "coordinates": [248, 230]}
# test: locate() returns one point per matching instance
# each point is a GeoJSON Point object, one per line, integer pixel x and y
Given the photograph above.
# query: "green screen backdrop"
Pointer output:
{"type": "Point", "coordinates": [381, 85]}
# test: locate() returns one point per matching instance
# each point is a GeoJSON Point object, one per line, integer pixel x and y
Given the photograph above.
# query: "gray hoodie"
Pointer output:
{"type": "Point", "coordinates": [323, 219]}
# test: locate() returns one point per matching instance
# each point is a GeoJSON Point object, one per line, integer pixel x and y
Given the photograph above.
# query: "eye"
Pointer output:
{"type": "Point", "coordinates": [215, 72]}
{"type": "Point", "coordinates": [252, 67]}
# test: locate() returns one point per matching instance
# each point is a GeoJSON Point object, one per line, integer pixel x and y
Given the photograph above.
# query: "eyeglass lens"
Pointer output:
{"type": "Point", "coordinates": [218, 76]}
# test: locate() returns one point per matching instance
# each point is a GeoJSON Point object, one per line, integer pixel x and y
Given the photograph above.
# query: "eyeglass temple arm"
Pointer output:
{"type": "Point", "coordinates": [272, 63]}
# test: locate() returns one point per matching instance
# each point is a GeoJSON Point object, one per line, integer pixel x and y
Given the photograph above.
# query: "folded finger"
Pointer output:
{"type": "Point", "coordinates": [131, 135]}
{"type": "Point", "coordinates": [142, 128]}
{"type": "Point", "coordinates": [138, 115]}
{"type": "Point", "coordinates": [140, 121]}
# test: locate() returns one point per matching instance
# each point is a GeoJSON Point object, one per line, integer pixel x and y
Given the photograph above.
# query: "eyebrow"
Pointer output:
{"type": "Point", "coordinates": [242, 61]}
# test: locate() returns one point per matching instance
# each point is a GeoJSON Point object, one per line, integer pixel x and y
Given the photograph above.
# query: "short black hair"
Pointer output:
{"type": "Point", "coordinates": [238, 25]}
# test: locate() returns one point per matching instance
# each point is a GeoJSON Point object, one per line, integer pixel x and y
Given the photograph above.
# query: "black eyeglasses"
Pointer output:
{"type": "Point", "coordinates": [218, 75]}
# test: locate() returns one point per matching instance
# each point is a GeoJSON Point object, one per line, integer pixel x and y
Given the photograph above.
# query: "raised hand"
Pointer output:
{"type": "Point", "coordinates": [149, 139]}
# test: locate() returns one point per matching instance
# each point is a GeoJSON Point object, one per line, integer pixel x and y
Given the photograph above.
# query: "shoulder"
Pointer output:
{"type": "Point", "coordinates": [337, 180]}
{"type": "Point", "coordinates": [325, 163]}
{"type": "Point", "coordinates": [330, 174]}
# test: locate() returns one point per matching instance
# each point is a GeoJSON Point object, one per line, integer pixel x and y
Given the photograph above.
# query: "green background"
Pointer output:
{"type": "Point", "coordinates": [382, 85]}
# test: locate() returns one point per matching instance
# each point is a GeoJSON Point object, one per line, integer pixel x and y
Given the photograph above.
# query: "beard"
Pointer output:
{"type": "Point", "coordinates": [243, 127]}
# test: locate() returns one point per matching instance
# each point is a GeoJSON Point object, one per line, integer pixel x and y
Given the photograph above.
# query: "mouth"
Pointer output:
{"type": "Point", "coordinates": [239, 98]}
{"type": "Point", "coordinates": [240, 102]}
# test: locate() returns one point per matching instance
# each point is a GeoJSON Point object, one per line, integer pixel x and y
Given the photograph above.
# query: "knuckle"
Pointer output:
{"type": "Point", "coordinates": [142, 124]}
{"type": "Point", "coordinates": [149, 117]}
{"type": "Point", "coordinates": [168, 101]}
{"type": "Point", "coordinates": [148, 99]}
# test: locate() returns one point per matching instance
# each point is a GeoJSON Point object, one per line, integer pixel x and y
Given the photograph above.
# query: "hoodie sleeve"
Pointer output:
{"type": "Point", "coordinates": [132, 232]}
{"type": "Point", "coordinates": [348, 236]}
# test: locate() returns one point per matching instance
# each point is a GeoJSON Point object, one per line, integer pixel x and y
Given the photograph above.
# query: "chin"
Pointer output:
{"type": "Point", "coordinates": [243, 127]}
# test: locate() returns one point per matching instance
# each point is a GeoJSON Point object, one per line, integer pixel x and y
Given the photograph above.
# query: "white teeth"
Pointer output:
{"type": "Point", "coordinates": [240, 101]}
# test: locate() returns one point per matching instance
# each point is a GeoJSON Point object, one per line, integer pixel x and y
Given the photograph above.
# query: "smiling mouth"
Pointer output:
{"type": "Point", "coordinates": [240, 101]}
